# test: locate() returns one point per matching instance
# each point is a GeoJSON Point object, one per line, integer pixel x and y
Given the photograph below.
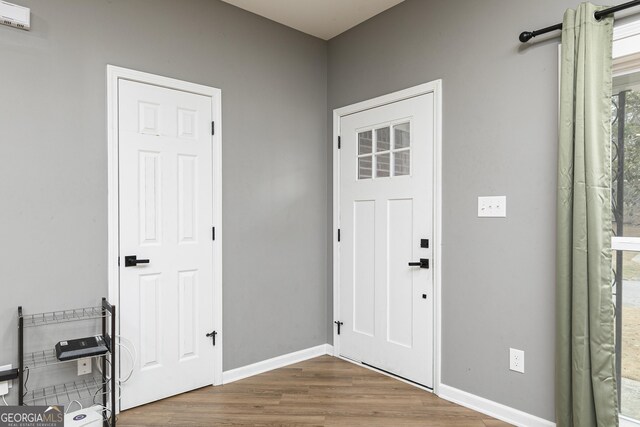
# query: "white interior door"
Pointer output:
{"type": "Point", "coordinates": [386, 219]}
{"type": "Point", "coordinates": [166, 216]}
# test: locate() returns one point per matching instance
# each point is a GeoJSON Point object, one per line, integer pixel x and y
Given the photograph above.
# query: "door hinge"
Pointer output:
{"type": "Point", "coordinates": [339, 324]}
{"type": "Point", "coordinates": [213, 233]}
{"type": "Point", "coordinates": [339, 142]}
{"type": "Point", "coordinates": [338, 234]}
{"type": "Point", "coordinates": [213, 128]}
{"type": "Point", "coordinates": [212, 334]}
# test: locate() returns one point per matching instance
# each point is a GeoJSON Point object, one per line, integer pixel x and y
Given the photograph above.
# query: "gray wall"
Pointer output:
{"type": "Point", "coordinates": [53, 167]}
{"type": "Point", "coordinates": [500, 108]}
{"type": "Point", "coordinates": [499, 138]}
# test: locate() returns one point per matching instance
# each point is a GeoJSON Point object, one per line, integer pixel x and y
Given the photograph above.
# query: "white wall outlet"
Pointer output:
{"type": "Point", "coordinates": [9, 383]}
{"type": "Point", "coordinates": [492, 206]}
{"type": "Point", "coordinates": [516, 360]}
{"type": "Point", "coordinates": [84, 366]}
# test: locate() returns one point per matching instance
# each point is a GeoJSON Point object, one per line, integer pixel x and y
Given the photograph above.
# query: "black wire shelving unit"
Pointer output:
{"type": "Point", "coordinates": [102, 386]}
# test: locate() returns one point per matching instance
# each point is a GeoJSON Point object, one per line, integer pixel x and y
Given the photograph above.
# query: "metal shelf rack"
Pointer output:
{"type": "Point", "coordinates": [52, 317]}
{"type": "Point", "coordinates": [90, 389]}
{"type": "Point", "coordinates": [64, 393]}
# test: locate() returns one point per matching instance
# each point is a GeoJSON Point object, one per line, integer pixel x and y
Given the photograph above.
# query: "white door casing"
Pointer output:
{"type": "Point", "coordinates": [379, 298]}
{"type": "Point", "coordinates": [168, 183]}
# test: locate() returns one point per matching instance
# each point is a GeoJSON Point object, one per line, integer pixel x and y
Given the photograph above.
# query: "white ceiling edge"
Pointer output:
{"type": "Point", "coordinates": [324, 19]}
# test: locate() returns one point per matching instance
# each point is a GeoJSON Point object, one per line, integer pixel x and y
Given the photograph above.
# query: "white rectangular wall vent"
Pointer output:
{"type": "Point", "coordinates": [15, 16]}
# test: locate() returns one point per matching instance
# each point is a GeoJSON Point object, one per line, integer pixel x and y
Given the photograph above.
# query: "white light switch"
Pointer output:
{"type": "Point", "coordinates": [492, 206]}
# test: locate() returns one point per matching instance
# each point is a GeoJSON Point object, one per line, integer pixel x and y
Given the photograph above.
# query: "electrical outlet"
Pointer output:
{"type": "Point", "coordinates": [516, 360]}
{"type": "Point", "coordinates": [84, 366]}
{"type": "Point", "coordinates": [5, 385]}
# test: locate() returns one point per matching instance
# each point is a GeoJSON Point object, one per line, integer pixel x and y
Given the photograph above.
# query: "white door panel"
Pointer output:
{"type": "Point", "coordinates": [166, 214]}
{"type": "Point", "coordinates": [386, 205]}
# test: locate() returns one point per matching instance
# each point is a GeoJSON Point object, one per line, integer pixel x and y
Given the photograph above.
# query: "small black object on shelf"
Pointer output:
{"type": "Point", "coordinates": [80, 348]}
{"type": "Point", "coordinates": [8, 375]}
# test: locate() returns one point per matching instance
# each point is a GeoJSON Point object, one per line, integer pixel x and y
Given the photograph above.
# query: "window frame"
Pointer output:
{"type": "Point", "coordinates": [626, 60]}
{"type": "Point", "coordinates": [392, 150]}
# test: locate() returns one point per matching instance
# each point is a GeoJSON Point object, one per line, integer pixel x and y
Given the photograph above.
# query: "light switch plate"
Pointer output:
{"type": "Point", "coordinates": [492, 206]}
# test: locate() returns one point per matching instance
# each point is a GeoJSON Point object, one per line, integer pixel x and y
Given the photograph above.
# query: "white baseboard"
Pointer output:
{"type": "Point", "coordinates": [275, 363]}
{"type": "Point", "coordinates": [468, 400]}
{"type": "Point", "coordinates": [330, 349]}
{"type": "Point", "coordinates": [491, 408]}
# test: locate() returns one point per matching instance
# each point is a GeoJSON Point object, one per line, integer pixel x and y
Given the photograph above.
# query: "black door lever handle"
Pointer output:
{"type": "Point", "coordinates": [212, 334]}
{"type": "Point", "coordinates": [132, 261]}
{"type": "Point", "coordinates": [423, 263]}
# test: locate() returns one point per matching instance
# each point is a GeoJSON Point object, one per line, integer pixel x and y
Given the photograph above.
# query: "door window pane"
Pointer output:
{"type": "Point", "coordinates": [384, 151]}
{"type": "Point", "coordinates": [401, 136]}
{"type": "Point", "coordinates": [364, 167]}
{"type": "Point", "coordinates": [401, 162]}
{"type": "Point", "coordinates": [365, 142]}
{"type": "Point", "coordinates": [383, 165]}
{"type": "Point", "coordinates": [383, 139]}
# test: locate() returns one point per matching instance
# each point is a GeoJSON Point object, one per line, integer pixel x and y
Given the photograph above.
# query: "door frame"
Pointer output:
{"type": "Point", "coordinates": [114, 74]}
{"type": "Point", "coordinates": [434, 87]}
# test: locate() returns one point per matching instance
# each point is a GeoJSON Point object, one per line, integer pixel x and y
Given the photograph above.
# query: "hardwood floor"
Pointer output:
{"type": "Point", "coordinates": [325, 391]}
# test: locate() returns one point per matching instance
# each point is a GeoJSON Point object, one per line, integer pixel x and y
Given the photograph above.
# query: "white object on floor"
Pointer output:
{"type": "Point", "coordinates": [88, 417]}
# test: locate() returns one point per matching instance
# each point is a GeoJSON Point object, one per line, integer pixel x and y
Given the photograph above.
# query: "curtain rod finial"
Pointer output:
{"type": "Point", "coordinates": [525, 36]}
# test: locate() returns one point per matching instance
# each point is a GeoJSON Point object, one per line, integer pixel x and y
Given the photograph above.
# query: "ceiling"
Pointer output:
{"type": "Point", "coordinates": [321, 18]}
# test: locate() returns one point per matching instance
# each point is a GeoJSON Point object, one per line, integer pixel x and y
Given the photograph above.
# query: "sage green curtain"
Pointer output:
{"type": "Point", "coordinates": [585, 350]}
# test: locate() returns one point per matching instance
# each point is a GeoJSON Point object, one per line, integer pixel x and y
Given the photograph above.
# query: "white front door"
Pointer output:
{"type": "Point", "coordinates": [166, 216]}
{"type": "Point", "coordinates": [386, 222]}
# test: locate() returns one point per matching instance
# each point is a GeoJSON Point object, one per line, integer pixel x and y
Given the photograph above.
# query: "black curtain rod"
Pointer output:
{"type": "Point", "coordinates": [525, 36]}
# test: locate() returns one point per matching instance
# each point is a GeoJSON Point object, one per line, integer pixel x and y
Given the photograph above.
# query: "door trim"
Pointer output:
{"type": "Point", "coordinates": [114, 74]}
{"type": "Point", "coordinates": [434, 87]}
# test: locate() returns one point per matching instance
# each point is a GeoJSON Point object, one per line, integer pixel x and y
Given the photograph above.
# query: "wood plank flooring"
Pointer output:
{"type": "Point", "coordinates": [325, 391]}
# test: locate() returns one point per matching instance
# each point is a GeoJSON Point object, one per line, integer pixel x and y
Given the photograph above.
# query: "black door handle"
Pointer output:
{"type": "Point", "coordinates": [132, 261]}
{"type": "Point", "coordinates": [423, 263]}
